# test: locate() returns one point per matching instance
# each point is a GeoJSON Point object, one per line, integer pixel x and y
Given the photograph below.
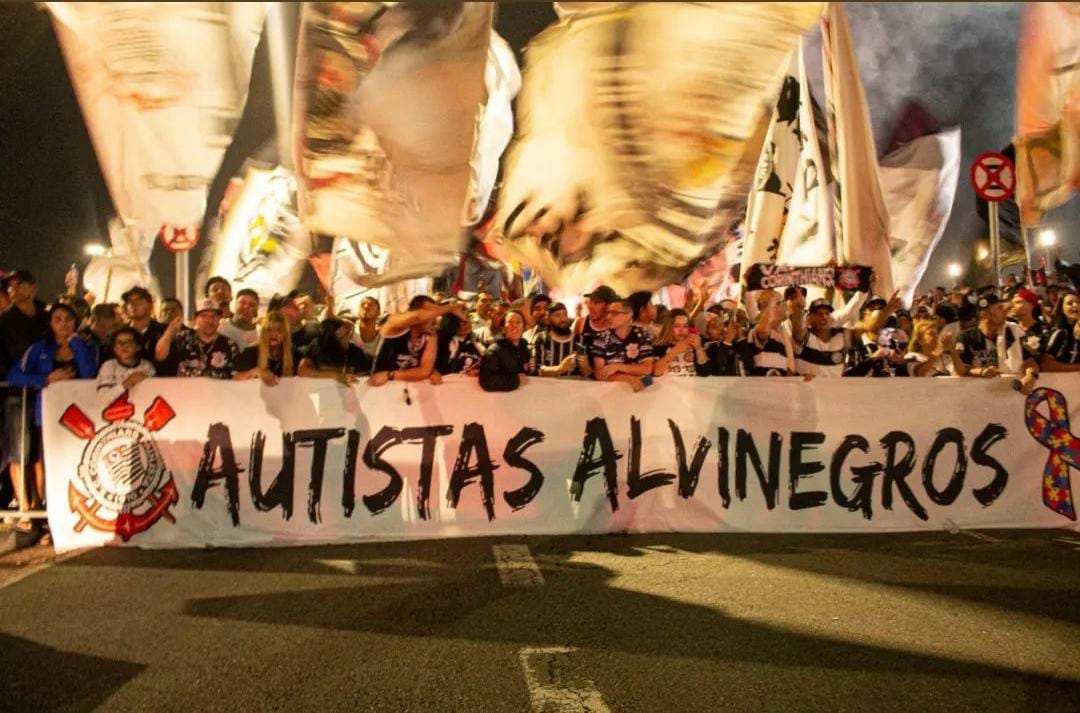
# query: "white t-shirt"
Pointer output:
{"type": "Point", "coordinates": [111, 375]}
{"type": "Point", "coordinates": [243, 338]}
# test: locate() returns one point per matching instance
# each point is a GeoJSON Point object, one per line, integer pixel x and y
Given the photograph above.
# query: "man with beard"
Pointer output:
{"type": "Point", "coordinates": [409, 347]}
{"type": "Point", "coordinates": [139, 307]}
{"type": "Point", "coordinates": [625, 351]}
{"type": "Point", "coordinates": [595, 322]}
{"type": "Point", "coordinates": [557, 349]}
{"type": "Point", "coordinates": [242, 328]}
{"type": "Point", "coordinates": [538, 309]}
{"type": "Point", "coordinates": [300, 333]}
{"type": "Point", "coordinates": [992, 347]}
{"type": "Point", "coordinates": [201, 351]}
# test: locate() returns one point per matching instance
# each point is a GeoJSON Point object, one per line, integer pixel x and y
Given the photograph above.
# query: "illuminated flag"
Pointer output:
{"type": "Point", "coordinates": [639, 129]}
{"type": "Point", "coordinates": [162, 87]}
{"type": "Point", "coordinates": [1047, 107]}
{"type": "Point", "coordinates": [386, 106]}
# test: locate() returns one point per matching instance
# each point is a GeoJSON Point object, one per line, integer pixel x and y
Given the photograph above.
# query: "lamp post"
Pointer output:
{"type": "Point", "coordinates": [1047, 238]}
{"type": "Point", "coordinates": [99, 250]}
{"type": "Point", "coordinates": [955, 270]}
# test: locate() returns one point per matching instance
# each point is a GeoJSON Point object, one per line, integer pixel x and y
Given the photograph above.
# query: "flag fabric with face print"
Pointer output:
{"type": "Point", "coordinates": [162, 87]}
{"type": "Point", "coordinates": [639, 129]}
{"type": "Point", "coordinates": [1047, 107]}
{"type": "Point", "coordinates": [386, 105]}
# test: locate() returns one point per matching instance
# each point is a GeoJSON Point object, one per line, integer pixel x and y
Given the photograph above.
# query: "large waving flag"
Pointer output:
{"type": "Point", "coordinates": [919, 181]}
{"type": "Point", "coordinates": [789, 212]}
{"type": "Point", "coordinates": [502, 80]}
{"type": "Point", "coordinates": [639, 129]}
{"type": "Point", "coordinates": [1047, 107]}
{"type": "Point", "coordinates": [862, 226]}
{"type": "Point", "coordinates": [260, 243]}
{"type": "Point", "coordinates": [162, 87]}
{"type": "Point", "coordinates": [386, 106]}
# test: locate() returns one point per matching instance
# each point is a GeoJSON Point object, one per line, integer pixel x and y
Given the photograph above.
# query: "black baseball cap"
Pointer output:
{"type": "Point", "coordinates": [136, 291]}
{"type": "Point", "coordinates": [988, 300]}
{"type": "Point", "coordinates": [279, 300]}
{"type": "Point", "coordinates": [604, 294]}
{"type": "Point", "coordinates": [820, 303]}
{"type": "Point", "coordinates": [19, 275]}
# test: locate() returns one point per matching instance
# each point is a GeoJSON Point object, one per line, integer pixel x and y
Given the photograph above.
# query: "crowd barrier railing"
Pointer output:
{"type": "Point", "coordinates": [26, 482]}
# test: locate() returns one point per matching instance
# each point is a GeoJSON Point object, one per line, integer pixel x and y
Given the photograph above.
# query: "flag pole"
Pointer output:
{"type": "Point", "coordinates": [995, 242]}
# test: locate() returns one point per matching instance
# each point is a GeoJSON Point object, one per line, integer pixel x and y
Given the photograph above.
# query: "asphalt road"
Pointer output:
{"type": "Point", "coordinates": [916, 622]}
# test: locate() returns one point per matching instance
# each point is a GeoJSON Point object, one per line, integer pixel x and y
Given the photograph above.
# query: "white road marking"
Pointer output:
{"type": "Point", "coordinates": [346, 566]}
{"type": "Point", "coordinates": [980, 536]}
{"type": "Point", "coordinates": [548, 692]}
{"type": "Point", "coordinates": [40, 567]}
{"type": "Point", "coordinates": [517, 569]}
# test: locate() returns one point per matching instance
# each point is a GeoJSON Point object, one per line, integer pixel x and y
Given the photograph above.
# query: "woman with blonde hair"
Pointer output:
{"type": "Point", "coordinates": [929, 352]}
{"type": "Point", "coordinates": [273, 356]}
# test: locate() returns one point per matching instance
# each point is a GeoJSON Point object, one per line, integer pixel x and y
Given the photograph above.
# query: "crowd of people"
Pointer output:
{"type": "Point", "coordinates": [1015, 331]}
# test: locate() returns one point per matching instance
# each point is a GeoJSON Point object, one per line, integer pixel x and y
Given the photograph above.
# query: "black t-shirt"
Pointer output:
{"type": "Point", "coordinates": [305, 336]}
{"type": "Point", "coordinates": [18, 331]}
{"type": "Point", "coordinates": [150, 338]}
{"type": "Point", "coordinates": [249, 359]}
{"type": "Point", "coordinates": [1035, 336]}
{"type": "Point", "coordinates": [401, 352]}
{"type": "Point", "coordinates": [635, 349]}
{"type": "Point", "coordinates": [1063, 346]}
{"type": "Point", "coordinates": [351, 360]}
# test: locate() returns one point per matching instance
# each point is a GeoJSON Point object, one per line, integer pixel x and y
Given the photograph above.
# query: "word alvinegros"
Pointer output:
{"type": "Point", "coordinates": [895, 467]}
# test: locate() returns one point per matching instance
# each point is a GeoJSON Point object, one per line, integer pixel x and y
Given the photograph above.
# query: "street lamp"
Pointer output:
{"type": "Point", "coordinates": [1047, 238]}
{"type": "Point", "coordinates": [94, 249]}
{"type": "Point", "coordinates": [955, 271]}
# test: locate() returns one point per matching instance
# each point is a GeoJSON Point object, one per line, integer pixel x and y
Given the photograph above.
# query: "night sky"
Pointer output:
{"type": "Point", "coordinates": [958, 59]}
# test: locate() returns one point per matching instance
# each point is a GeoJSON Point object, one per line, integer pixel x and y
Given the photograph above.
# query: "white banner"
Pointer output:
{"type": "Point", "coordinates": [191, 463]}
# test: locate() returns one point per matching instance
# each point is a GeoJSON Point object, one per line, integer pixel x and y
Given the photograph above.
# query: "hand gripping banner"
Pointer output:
{"type": "Point", "coordinates": [1054, 434]}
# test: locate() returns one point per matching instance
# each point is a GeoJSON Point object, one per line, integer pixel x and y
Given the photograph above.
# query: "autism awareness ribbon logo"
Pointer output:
{"type": "Point", "coordinates": [1053, 434]}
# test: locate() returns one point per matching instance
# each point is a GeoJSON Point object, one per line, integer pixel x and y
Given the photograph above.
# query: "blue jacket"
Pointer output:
{"type": "Point", "coordinates": [37, 363]}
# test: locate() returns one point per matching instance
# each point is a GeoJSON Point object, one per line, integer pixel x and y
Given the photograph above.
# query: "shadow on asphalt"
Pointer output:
{"type": "Point", "coordinates": [433, 595]}
{"type": "Point", "coordinates": [40, 678]}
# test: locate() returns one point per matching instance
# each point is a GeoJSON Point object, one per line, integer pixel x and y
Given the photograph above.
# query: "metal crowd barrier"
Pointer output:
{"type": "Point", "coordinates": [27, 479]}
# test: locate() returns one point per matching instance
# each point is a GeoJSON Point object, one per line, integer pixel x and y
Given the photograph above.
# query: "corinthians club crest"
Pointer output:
{"type": "Point", "coordinates": [123, 485]}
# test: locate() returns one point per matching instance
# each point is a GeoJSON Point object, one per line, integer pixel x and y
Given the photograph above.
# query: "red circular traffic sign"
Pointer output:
{"type": "Point", "coordinates": [178, 240]}
{"type": "Point", "coordinates": [993, 176]}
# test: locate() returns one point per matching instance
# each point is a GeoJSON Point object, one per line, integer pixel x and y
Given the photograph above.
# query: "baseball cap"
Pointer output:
{"type": "Point", "coordinates": [1028, 296]}
{"type": "Point", "coordinates": [876, 302]}
{"type": "Point", "coordinates": [603, 293]}
{"type": "Point", "coordinates": [820, 303]}
{"type": "Point", "coordinates": [988, 300]}
{"type": "Point", "coordinates": [208, 305]}
{"type": "Point", "coordinates": [136, 291]}
{"type": "Point", "coordinates": [279, 300]}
